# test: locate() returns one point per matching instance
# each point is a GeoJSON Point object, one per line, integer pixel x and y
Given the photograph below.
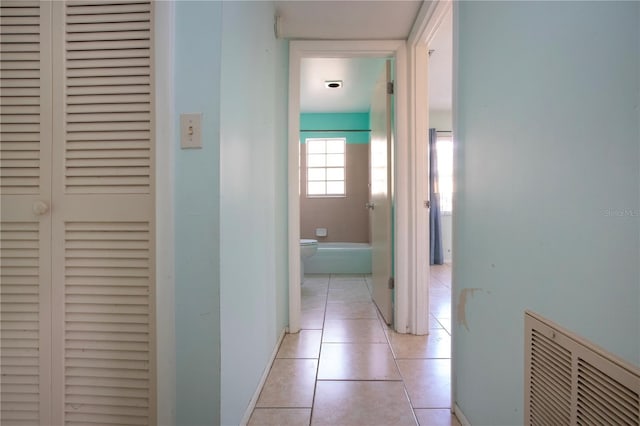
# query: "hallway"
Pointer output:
{"type": "Point", "coordinates": [346, 367]}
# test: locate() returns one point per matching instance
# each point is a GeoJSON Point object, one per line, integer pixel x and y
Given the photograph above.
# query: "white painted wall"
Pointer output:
{"type": "Point", "coordinates": [253, 203]}
{"type": "Point", "coordinates": [548, 184]}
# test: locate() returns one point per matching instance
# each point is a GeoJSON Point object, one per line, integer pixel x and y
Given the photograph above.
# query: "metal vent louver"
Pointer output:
{"type": "Point", "coordinates": [570, 381]}
{"type": "Point", "coordinates": [603, 399]}
{"type": "Point", "coordinates": [550, 381]}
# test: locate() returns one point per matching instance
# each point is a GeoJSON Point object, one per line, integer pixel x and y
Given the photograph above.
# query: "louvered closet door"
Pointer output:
{"type": "Point", "coordinates": [25, 223]}
{"type": "Point", "coordinates": [103, 225]}
{"type": "Point", "coordinates": [77, 213]}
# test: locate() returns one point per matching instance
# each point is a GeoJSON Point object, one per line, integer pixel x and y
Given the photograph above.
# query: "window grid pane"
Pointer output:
{"type": "Point", "coordinates": [316, 146]}
{"type": "Point", "coordinates": [335, 188]}
{"type": "Point", "coordinates": [316, 174]}
{"type": "Point", "coordinates": [325, 167]}
{"type": "Point", "coordinates": [316, 188]}
{"type": "Point", "coordinates": [335, 160]}
{"type": "Point", "coordinates": [316, 160]}
{"type": "Point", "coordinates": [335, 173]}
{"type": "Point", "coordinates": [335, 146]}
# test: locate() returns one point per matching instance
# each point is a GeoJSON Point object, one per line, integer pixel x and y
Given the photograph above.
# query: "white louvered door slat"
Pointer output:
{"type": "Point", "coordinates": [97, 75]}
{"type": "Point", "coordinates": [23, 52]}
{"type": "Point", "coordinates": [103, 360]}
{"type": "Point", "coordinates": [20, 322]}
{"type": "Point", "coordinates": [97, 280]}
{"type": "Point", "coordinates": [25, 238]}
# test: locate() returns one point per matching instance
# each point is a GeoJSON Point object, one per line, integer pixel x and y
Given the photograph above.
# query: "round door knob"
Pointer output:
{"type": "Point", "coordinates": [39, 208]}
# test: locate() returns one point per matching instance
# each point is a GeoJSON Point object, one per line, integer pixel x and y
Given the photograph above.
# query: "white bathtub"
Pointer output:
{"type": "Point", "coordinates": [340, 258]}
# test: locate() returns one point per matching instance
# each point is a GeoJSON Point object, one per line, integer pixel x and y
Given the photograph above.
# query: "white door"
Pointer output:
{"type": "Point", "coordinates": [380, 195]}
{"type": "Point", "coordinates": [77, 213]}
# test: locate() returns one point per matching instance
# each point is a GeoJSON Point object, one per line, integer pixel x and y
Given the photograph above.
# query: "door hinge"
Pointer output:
{"type": "Point", "coordinates": [427, 204]}
{"type": "Point", "coordinates": [390, 88]}
{"type": "Point", "coordinates": [391, 283]}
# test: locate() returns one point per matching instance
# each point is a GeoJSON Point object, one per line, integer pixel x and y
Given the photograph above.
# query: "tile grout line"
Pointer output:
{"type": "Point", "coordinates": [395, 362]}
{"type": "Point", "coordinates": [324, 317]}
{"type": "Point", "coordinates": [386, 330]}
{"type": "Point", "coordinates": [387, 336]}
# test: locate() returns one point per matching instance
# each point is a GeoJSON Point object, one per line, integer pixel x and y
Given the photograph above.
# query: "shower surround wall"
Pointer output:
{"type": "Point", "coordinates": [346, 218]}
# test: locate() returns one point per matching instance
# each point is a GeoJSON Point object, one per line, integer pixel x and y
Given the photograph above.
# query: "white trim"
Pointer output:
{"type": "Point", "coordinates": [454, 89]}
{"type": "Point", "coordinates": [295, 57]}
{"type": "Point", "coordinates": [424, 29]}
{"type": "Point", "coordinates": [344, 49]}
{"type": "Point", "coordinates": [418, 117]}
{"type": "Point", "coordinates": [263, 379]}
{"type": "Point", "coordinates": [428, 21]}
{"type": "Point", "coordinates": [165, 310]}
{"type": "Point", "coordinates": [403, 193]}
{"type": "Point", "coordinates": [460, 415]}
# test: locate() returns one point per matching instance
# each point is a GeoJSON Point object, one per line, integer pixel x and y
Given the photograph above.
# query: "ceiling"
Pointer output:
{"type": "Point", "coordinates": [346, 19]}
{"type": "Point", "coordinates": [358, 75]}
{"type": "Point", "coordinates": [358, 20]}
{"type": "Point", "coordinates": [441, 67]}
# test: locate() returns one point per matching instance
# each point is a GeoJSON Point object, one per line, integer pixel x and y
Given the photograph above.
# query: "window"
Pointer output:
{"type": "Point", "coordinates": [325, 167]}
{"type": "Point", "coordinates": [444, 146]}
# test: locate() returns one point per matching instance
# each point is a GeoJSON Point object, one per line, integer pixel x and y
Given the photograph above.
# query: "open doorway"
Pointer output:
{"type": "Point", "coordinates": [301, 51]}
{"type": "Point", "coordinates": [441, 173]}
{"type": "Point", "coordinates": [437, 40]}
{"type": "Point", "coordinates": [345, 171]}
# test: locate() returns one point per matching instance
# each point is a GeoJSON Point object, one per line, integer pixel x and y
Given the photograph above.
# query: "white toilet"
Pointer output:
{"type": "Point", "coordinates": [307, 249]}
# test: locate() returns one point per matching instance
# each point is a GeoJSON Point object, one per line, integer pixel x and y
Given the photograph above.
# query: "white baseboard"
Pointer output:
{"type": "Point", "coordinates": [461, 417]}
{"type": "Point", "coordinates": [263, 379]}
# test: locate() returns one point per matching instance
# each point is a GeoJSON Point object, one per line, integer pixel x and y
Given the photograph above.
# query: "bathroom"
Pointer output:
{"type": "Point", "coordinates": [334, 163]}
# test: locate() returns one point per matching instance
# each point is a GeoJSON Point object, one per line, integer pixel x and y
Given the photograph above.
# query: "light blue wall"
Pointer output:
{"type": "Point", "coordinates": [336, 121]}
{"type": "Point", "coordinates": [197, 258]}
{"type": "Point", "coordinates": [231, 207]}
{"type": "Point", "coordinates": [253, 204]}
{"type": "Point", "coordinates": [547, 157]}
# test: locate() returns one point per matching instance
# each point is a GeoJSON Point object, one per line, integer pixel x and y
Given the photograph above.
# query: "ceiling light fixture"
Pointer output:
{"type": "Point", "coordinates": [333, 84]}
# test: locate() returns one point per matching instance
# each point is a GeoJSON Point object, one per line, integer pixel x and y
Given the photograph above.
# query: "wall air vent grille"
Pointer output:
{"type": "Point", "coordinates": [569, 380]}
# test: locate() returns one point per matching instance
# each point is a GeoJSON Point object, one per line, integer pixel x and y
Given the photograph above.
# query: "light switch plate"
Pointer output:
{"type": "Point", "coordinates": [191, 130]}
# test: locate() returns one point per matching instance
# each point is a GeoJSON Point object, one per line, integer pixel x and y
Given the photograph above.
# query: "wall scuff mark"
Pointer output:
{"type": "Point", "coordinates": [461, 307]}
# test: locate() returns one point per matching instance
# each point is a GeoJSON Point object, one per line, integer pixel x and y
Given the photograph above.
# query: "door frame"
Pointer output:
{"type": "Point", "coordinates": [402, 187]}
{"type": "Point", "coordinates": [165, 135]}
{"type": "Point", "coordinates": [424, 29]}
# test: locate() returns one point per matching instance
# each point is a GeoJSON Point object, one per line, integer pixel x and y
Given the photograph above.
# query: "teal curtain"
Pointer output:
{"type": "Point", "coordinates": [436, 256]}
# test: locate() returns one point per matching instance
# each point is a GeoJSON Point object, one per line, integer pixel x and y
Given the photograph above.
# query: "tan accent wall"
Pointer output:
{"type": "Point", "coordinates": [346, 218]}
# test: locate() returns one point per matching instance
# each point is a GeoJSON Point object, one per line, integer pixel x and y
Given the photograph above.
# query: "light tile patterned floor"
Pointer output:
{"type": "Point", "coordinates": [346, 367]}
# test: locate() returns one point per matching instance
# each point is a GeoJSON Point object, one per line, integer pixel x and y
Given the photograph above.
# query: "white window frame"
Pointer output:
{"type": "Point", "coordinates": [326, 167]}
